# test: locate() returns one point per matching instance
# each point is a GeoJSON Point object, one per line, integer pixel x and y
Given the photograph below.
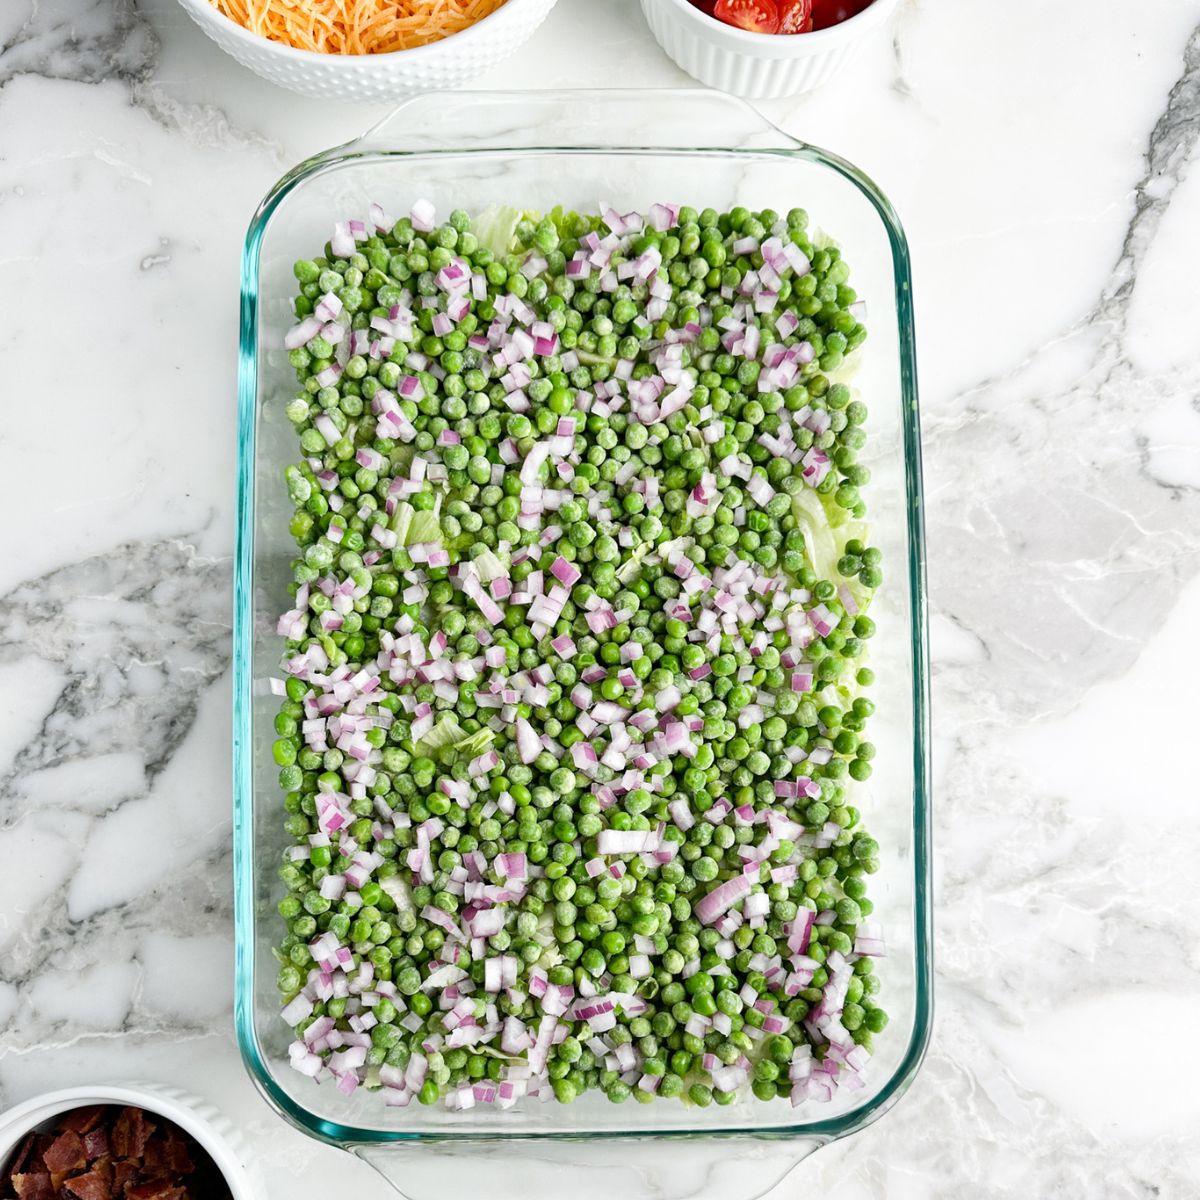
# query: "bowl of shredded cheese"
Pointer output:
{"type": "Point", "coordinates": [369, 50]}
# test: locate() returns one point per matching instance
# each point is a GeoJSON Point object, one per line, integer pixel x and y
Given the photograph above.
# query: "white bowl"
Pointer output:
{"type": "Point", "coordinates": [758, 66]}
{"type": "Point", "coordinates": [212, 1130]}
{"type": "Point", "coordinates": [377, 77]}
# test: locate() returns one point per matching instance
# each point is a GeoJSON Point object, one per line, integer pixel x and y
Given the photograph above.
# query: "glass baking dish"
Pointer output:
{"type": "Point", "coordinates": [536, 150]}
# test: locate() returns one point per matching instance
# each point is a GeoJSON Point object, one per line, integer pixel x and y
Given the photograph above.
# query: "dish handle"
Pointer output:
{"type": "Point", "coordinates": [575, 119]}
{"type": "Point", "coordinates": [599, 1169]}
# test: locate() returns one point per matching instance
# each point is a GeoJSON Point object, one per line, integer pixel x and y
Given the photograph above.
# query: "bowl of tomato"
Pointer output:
{"type": "Point", "coordinates": [764, 48]}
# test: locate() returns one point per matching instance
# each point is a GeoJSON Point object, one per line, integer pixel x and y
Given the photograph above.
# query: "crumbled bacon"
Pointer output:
{"type": "Point", "coordinates": [130, 1133]}
{"type": "Point", "coordinates": [96, 1184]}
{"type": "Point", "coordinates": [33, 1186]}
{"type": "Point", "coordinates": [95, 1143]}
{"type": "Point", "coordinates": [83, 1119]}
{"type": "Point", "coordinates": [65, 1153]}
{"type": "Point", "coordinates": [111, 1153]}
{"type": "Point", "coordinates": [154, 1189]}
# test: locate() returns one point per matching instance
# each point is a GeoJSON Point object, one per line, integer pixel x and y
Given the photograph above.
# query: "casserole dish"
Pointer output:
{"type": "Point", "coordinates": [537, 150]}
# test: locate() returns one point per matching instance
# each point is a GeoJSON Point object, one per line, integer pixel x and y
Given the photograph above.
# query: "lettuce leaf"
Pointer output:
{"type": "Point", "coordinates": [476, 743]}
{"type": "Point", "coordinates": [412, 525]}
{"type": "Point", "coordinates": [496, 228]}
{"type": "Point", "coordinates": [402, 521]}
{"type": "Point", "coordinates": [445, 734]}
{"type": "Point", "coordinates": [425, 527]}
{"type": "Point", "coordinates": [489, 565]}
{"type": "Point", "coordinates": [827, 527]}
{"type": "Point", "coordinates": [629, 569]}
{"type": "Point", "coordinates": [401, 458]}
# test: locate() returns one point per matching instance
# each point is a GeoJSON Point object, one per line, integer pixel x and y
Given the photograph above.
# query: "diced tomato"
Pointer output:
{"type": "Point", "coordinates": [755, 16]}
{"type": "Point", "coordinates": [796, 16]}
{"type": "Point", "coordinates": [782, 16]}
{"type": "Point", "coordinates": [833, 12]}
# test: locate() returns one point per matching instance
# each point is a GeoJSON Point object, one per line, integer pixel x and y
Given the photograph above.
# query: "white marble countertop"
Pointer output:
{"type": "Point", "coordinates": [1041, 157]}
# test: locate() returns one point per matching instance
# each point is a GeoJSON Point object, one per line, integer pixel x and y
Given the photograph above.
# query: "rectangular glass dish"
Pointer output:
{"type": "Point", "coordinates": [535, 151]}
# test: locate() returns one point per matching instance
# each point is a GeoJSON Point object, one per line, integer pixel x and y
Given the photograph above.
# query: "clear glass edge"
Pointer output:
{"type": "Point", "coordinates": [349, 1136]}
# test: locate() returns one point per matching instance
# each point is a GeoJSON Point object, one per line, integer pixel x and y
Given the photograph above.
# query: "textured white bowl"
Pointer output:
{"type": "Point", "coordinates": [377, 77]}
{"type": "Point", "coordinates": [756, 65]}
{"type": "Point", "coordinates": [214, 1131]}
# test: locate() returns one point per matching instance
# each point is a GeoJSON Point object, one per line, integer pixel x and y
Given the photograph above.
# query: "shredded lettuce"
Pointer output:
{"type": "Point", "coordinates": [476, 743]}
{"type": "Point", "coordinates": [489, 565]}
{"type": "Point", "coordinates": [399, 890]}
{"type": "Point", "coordinates": [402, 521]}
{"type": "Point", "coordinates": [551, 954]}
{"type": "Point", "coordinates": [425, 527]}
{"type": "Point", "coordinates": [446, 733]}
{"type": "Point", "coordinates": [826, 527]}
{"type": "Point", "coordinates": [495, 1052]}
{"type": "Point", "coordinates": [496, 228]}
{"type": "Point", "coordinates": [401, 458]}
{"type": "Point", "coordinates": [629, 569]}
{"type": "Point", "coordinates": [563, 220]}
{"type": "Point", "coordinates": [412, 525]}
{"type": "Point", "coordinates": [448, 739]}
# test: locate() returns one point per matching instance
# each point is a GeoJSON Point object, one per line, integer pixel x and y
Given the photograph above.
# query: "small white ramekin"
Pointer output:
{"type": "Point", "coordinates": [211, 1129]}
{"type": "Point", "coordinates": [377, 77]}
{"type": "Point", "coordinates": [759, 66]}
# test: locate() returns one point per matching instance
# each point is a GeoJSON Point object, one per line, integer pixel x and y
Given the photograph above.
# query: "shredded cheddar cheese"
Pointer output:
{"type": "Point", "coordinates": [356, 26]}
